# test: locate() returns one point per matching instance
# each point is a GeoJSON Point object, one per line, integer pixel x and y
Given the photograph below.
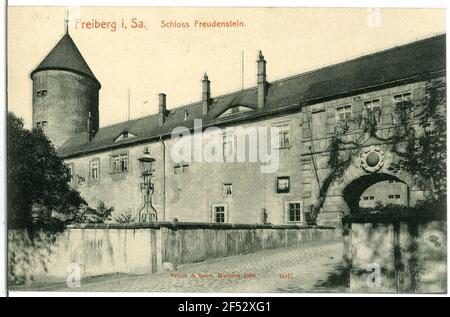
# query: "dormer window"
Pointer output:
{"type": "Point", "coordinates": [235, 110]}
{"type": "Point", "coordinates": [124, 135]}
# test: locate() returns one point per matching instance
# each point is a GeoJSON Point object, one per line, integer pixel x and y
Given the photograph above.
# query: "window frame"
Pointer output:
{"type": "Point", "coordinates": [91, 162]}
{"type": "Point", "coordinates": [228, 143]}
{"type": "Point", "coordinates": [411, 112]}
{"type": "Point", "coordinates": [279, 125]}
{"type": "Point", "coordinates": [214, 215]}
{"type": "Point", "coordinates": [119, 157]}
{"type": "Point", "coordinates": [343, 106]}
{"type": "Point", "coordinates": [380, 117]}
{"type": "Point", "coordinates": [224, 186]}
{"type": "Point", "coordinates": [71, 167]}
{"type": "Point", "coordinates": [182, 167]}
{"type": "Point", "coordinates": [288, 211]}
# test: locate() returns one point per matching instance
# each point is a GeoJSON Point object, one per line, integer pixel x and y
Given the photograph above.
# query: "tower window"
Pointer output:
{"type": "Point", "coordinates": [41, 125]}
{"type": "Point", "coordinates": [42, 93]}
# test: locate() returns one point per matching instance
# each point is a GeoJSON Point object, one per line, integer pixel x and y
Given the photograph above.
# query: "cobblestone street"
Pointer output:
{"type": "Point", "coordinates": [299, 269]}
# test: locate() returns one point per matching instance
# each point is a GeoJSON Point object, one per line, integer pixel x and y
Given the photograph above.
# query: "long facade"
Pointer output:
{"type": "Point", "coordinates": [305, 110]}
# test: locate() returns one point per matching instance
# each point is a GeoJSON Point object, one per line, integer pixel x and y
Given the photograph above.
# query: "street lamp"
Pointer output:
{"type": "Point", "coordinates": [147, 213]}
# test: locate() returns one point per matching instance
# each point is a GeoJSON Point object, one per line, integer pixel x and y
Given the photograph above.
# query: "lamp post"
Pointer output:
{"type": "Point", "coordinates": [147, 213]}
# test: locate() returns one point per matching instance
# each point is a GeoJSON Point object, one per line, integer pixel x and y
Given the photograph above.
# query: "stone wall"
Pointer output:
{"type": "Point", "coordinates": [143, 248]}
{"type": "Point", "coordinates": [411, 255]}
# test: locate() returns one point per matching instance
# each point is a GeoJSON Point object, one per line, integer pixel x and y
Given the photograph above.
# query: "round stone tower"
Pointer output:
{"type": "Point", "coordinates": [65, 94]}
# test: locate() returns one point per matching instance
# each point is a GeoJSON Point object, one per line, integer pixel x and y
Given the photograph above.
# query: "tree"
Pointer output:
{"type": "Point", "coordinates": [425, 154]}
{"type": "Point", "coordinates": [38, 193]}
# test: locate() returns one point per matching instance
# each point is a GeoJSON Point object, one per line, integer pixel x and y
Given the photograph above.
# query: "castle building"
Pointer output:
{"type": "Point", "coordinates": [304, 108]}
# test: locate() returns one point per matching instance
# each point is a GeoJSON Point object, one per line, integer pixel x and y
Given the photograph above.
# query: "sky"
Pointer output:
{"type": "Point", "coordinates": [155, 59]}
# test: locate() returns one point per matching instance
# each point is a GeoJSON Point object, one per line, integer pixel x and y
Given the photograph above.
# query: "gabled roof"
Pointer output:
{"type": "Point", "coordinates": [389, 67]}
{"type": "Point", "coordinates": [66, 56]}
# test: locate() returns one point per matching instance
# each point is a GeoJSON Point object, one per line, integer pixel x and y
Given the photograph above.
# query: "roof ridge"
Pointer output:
{"type": "Point", "coordinates": [356, 59]}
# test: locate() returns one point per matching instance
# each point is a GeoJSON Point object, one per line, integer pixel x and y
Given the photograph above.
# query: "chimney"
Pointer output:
{"type": "Point", "coordinates": [206, 94]}
{"type": "Point", "coordinates": [162, 109]}
{"type": "Point", "coordinates": [90, 129]}
{"type": "Point", "coordinates": [262, 81]}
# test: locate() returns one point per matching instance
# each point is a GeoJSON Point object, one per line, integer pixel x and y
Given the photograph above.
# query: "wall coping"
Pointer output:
{"type": "Point", "coordinates": [190, 225]}
{"type": "Point", "coordinates": [368, 218]}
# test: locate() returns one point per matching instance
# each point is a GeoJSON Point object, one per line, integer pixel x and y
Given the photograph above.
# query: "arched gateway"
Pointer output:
{"type": "Point", "coordinates": [370, 171]}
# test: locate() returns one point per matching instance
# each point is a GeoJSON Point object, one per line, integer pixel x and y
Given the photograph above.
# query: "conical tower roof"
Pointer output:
{"type": "Point", "coordinates": [66, 56]}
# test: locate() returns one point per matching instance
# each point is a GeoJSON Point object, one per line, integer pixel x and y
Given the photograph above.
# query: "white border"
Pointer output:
{"type": "Point", "coordinates": [185, 3]}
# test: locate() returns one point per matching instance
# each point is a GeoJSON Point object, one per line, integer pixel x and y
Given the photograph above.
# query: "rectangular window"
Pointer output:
{"type": "Point", "coordinates": [219, 213]}
{"type": "Point", "coordinates": [119, 163]}
{"type": "Point", "coordinates": [228, 146]}
{"type": "Point", "coordinates": [94, 170]}
{"type": "Point", "coordinates": [374, 107]}
{"type": "Point", "coordinates": [366, 197]}
{"type": "Point", "coordinates": [283, 184]}
{"type": "Point", "coordinates": [403, 98]}
{"type": "Point", "coordinates": [391, 196]}
{"type": "Point", "coordinates": [177, 169]}
{"type": "Point", "coordinates": [343, 113]}
{"type": "Point", "coordinates": [70, 173]}
{"type": "Point", "coordinates": [372, 197]}
{"type": "Point", "coordinates": [227, 190]}
{"type": "Point", "coordinates": [44, 125]}
{"type": "Point", "coordinates": [294, 212]}
{"type": "Point", "coordinates": [397, 196]}
{"type": "Point", "coordinates": [180, 168]}
{"type": "Point", "coordinates": [284, 135]}
{"type": "Point", "coordinates": [41, 93]}
{"type": "Point", "coordinates": [38, 125]}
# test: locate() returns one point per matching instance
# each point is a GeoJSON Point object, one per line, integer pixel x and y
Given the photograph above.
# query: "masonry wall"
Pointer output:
{"type": "Point", "coordinates": [66, 106]}
{"type": "Point", "coordinates": [318, 125]}
{"type": "Point", "coordinates": [412, 256]}
{"type": "Point", "coordinates": [191, 195]}
{"type": "Point", "coordinates": [139, 249]}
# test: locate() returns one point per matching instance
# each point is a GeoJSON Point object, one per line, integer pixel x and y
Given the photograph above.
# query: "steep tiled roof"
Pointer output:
{"type": "Point", "coordinates": [406, 62]}
{"type": "Point", "coordinates": [66, 56]}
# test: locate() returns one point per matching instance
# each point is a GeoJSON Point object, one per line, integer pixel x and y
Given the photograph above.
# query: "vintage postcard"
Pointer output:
{"type": "Point", "coordinates": [226, 150]}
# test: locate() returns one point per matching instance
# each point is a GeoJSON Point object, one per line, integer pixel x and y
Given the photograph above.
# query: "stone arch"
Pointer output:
{"type": "Point", "coordinates": [357, 179]}
{"type": "Point", "coordinates": [353, 191]}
